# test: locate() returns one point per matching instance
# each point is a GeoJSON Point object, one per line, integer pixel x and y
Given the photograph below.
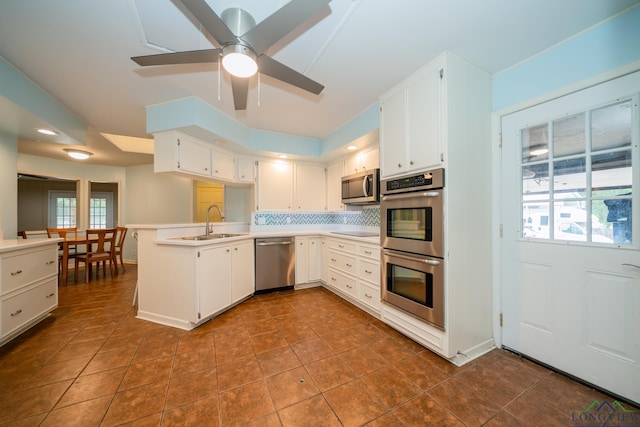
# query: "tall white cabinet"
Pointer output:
{"type": "Point", "coordinates": [441, 117]}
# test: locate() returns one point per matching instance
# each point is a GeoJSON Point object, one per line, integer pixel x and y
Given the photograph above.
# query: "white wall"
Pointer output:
{"type": "Point", "coordinates": [8, 186]}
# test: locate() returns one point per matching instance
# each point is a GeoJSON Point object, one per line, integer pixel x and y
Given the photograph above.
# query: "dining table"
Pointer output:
{"type": "Point", "coordinates": [68, 242]}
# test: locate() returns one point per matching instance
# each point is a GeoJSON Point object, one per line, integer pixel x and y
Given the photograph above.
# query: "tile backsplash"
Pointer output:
{"type": "Point", "coordinates": [278, 220]}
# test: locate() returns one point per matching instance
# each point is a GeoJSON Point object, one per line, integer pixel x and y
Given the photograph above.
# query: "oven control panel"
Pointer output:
{"type": "Point", "coordinates": [421, 181]}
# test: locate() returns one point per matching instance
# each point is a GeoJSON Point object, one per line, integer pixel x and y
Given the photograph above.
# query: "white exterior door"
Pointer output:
{"type": "Point", "coordinates": [570, 258]}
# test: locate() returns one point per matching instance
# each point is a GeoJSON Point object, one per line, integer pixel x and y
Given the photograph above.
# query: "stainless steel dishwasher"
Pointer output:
{"type": "Point", "coordinates": [275, 263]}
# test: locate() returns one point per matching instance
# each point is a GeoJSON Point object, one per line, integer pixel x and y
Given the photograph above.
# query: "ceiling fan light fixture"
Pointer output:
{"type": "Point", "coordinates": [78, 154]}
{"type": "Point", "coordinates": [239, 61]}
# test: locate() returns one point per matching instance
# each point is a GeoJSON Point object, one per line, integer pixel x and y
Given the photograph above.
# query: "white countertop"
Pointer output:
{"type": "Point", "coordinates": [14, 244]}
{"type": "Point", "coordinates": [258, 235]}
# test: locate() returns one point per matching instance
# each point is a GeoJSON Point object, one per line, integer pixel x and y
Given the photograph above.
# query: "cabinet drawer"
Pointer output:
{"type": "Point", "coordinates": [372, 252]}
{"type": "Point", "coordinates": [369, 295]}
{"type": "Point", "coordinates": [343, 282]}
{"type": "Point", "coordinates": [343, 262]}
{"type": "Point", "coordinates": [27, 267]}
{"type": "Point", "coordinates": [26, 306]}
{"type": "Point", "coordinates": [369, 271]}
{"type": "Point", "coordinates": [342, 246]}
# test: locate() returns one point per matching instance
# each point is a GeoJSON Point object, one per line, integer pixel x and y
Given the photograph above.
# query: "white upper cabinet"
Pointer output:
{"type": "Point", "coordinates": [245, 170]}
{"type": "Point", "coordinates": [310, 187]}
{"type": "Point", "coordinates": [335, 172]}
{"type": "Point", "coordinates": [363, 160]}
{"type": "Point", "coordinates": [410, 122]}
{"type": "Point", "coordinates": [222, 165]}
{"type": "Point", "coordinates": [175, 151]}
{"type": "Point", "coordinates": [275, 185]}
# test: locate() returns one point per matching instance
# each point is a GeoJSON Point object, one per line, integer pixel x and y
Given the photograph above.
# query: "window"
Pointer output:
{"type": "Point", "coordinates": [101, 210]}
{"type": "Point", "coordinates": [62, 209]}
{"type": "Point", "coordinates": [577, 176]}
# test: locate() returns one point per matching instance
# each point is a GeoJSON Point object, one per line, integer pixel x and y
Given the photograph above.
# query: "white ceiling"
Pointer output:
{"type": "Point", "coordinates": [79, 52]}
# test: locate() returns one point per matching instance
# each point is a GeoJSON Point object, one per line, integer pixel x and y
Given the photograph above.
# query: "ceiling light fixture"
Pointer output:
{"type": "Point", "coordinates": [283, 156]}
{"type": "Point", "coordinates": [47, 132]}
{"type": "Point", "coordinates": [78, 154]}
{"type": "Point", "coordinates": [352, 147]}
{"type": "Point", "coordinates": [239, 60]}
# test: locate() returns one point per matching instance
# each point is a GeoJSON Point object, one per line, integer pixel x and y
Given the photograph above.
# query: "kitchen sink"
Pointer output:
{"type": "Point", "coordinates": [212, 236]}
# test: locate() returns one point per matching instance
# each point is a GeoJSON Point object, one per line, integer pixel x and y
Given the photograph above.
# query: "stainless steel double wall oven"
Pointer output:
{"type": "Point", "coordinates": [412, 240]}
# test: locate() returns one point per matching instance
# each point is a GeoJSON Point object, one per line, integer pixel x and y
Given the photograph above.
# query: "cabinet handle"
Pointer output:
{"type": "Point", "coordinates": [16, 313]}
{"type": "Point", "coordinates": [50, 295]}
{"type": "Point", "coordinates": [313, 243]}
{"type": "Point", "coordinates": [341, 246]}
{"type": "Point", "coordinates": [368, 296]}
{"type": "Point", "coordinates": [216, 170]}
{"type": "Point", "coordinates": [367, 271]}
{"type": "Point", "coordinates": [50, 262]}
{"type": "Point", "coordinates": [368, 252]}
{"type": "Point", "coordinates": [333, 278]}
{"type": "Point", "coordinates": [348, 265]}
{"type": "Point", "coordinates": [227, 250]}
{"type": "Point", "coordinates": [15, 273]}
{"type": "Point", "coordinates": [399, 165]}
{"type": "Point", "coordinates": [206, 169]}
{"type": "Point", "coordinates": [333, 259]}
{"type": "Point", "coordinates": [235, 249]}
{"type": "Point", "coordinates": [349, 286]}
{"type": "Point", "coordinates": [411, 162]}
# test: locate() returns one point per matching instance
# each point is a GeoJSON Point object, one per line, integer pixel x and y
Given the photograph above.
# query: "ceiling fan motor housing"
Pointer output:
{"type": "Point", "coordinates": [238, 20]}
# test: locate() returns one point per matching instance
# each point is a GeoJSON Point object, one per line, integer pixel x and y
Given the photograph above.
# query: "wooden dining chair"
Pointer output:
{"type": "Point", "coordinates": [64, 233]}
{"type": "Point", "coordinates": [33, 234]}
{"type": "Point", "coordinates": [100, 244]}
{"type": "Point", "coordinates": [121, 234]}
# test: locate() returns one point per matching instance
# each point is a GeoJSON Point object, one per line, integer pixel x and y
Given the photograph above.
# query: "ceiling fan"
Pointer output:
{"type": "Point", "coordinates": [243, 43]}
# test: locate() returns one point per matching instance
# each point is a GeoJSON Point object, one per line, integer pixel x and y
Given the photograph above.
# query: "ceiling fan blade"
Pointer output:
{"type": "Point", "coordinates": [280, 23]}
{"type": "Point", "coordinates": [210, 21]}
{"type": "Point", "coordinates": [190, 57]}
{"type": "Point", "coordinates": [278, 70]}
{"type": "Point", "coordinates": [240, 89]}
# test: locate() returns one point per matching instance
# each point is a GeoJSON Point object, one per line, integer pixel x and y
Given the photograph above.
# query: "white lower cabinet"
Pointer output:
{"type": "Point", "coordinates": [225, 276]}
{"type": "Point", "coordinates": [28, 286]}
{"type": "Point", "coordinates": [353, 271]}
{"type": "Point", "coordinates": [242, 267]}
{"type": "Point", "coordinates": [309, 259]}
{"type": "Point", "coordinates": [213, 281]}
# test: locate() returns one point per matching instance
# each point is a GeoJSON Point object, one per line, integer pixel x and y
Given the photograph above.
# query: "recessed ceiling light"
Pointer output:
{"type": "Point", "coordinates": [283, 156]}
{"type": "Point", "coordinates": [48, 132]}
{"type": "Point", "coordinates": [78, 154]}
{"type": "Point", "coordinates": [352, 147]}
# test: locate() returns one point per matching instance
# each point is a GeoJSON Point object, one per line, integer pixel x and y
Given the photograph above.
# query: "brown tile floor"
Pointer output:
{"type": "Point", "coordinates": [300, 358]}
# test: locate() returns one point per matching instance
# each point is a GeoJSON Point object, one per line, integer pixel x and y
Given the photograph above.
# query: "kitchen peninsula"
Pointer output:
{"type": "Point", "coordinates": [183, 282]}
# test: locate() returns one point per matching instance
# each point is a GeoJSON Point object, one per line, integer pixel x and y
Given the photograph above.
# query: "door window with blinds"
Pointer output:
{"type": "Point", "coordinates": [577, 176]}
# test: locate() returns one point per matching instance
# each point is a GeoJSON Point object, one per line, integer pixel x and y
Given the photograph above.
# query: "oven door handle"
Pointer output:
{"type": "Point", "coordinates": [411, 195]}
{"type": "Point", "coordinates": [410, 258]}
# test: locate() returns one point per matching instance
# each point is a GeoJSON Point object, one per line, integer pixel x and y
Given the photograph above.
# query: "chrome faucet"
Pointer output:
{"type": "Point", "coordinates": [206, 230]}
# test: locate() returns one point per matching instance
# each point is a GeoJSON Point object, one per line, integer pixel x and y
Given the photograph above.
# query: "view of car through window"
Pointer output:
{"type": "Point", "coordinates": [577, 174]}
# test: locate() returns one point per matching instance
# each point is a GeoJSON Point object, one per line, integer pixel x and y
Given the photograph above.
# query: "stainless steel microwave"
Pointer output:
{"type": "Point", "coordinates": [361, 188]}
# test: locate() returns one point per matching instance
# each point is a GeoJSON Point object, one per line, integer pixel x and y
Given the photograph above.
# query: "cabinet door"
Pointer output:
{"type": "Point", "coordinates": [310, 188]}
{"type": "Point", "coordinates": [423, 122]}
{"type": "Point", "coordinates": [314, 259]}
{"type": "Point", "coordinates": [214, 280]}
{"type": "Point", "coordinates": [193, 157]}
{"type": "Point", "coordinates": [275, 185]}
{"type": "Point", "coordinates": [222, 165]}
{"type": "Point", "coordinates": [371, 159]}
{"type": "Point", "coordinates": [335, 172]}
{"type": "Point", "coordinates": [302, 264]}
{"type": "Point", "coordinates": [246, 170]}
{"type": "Point", "coordinates": [242, 270]}
{"type": "Point", "coordinates": [392, 135]}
